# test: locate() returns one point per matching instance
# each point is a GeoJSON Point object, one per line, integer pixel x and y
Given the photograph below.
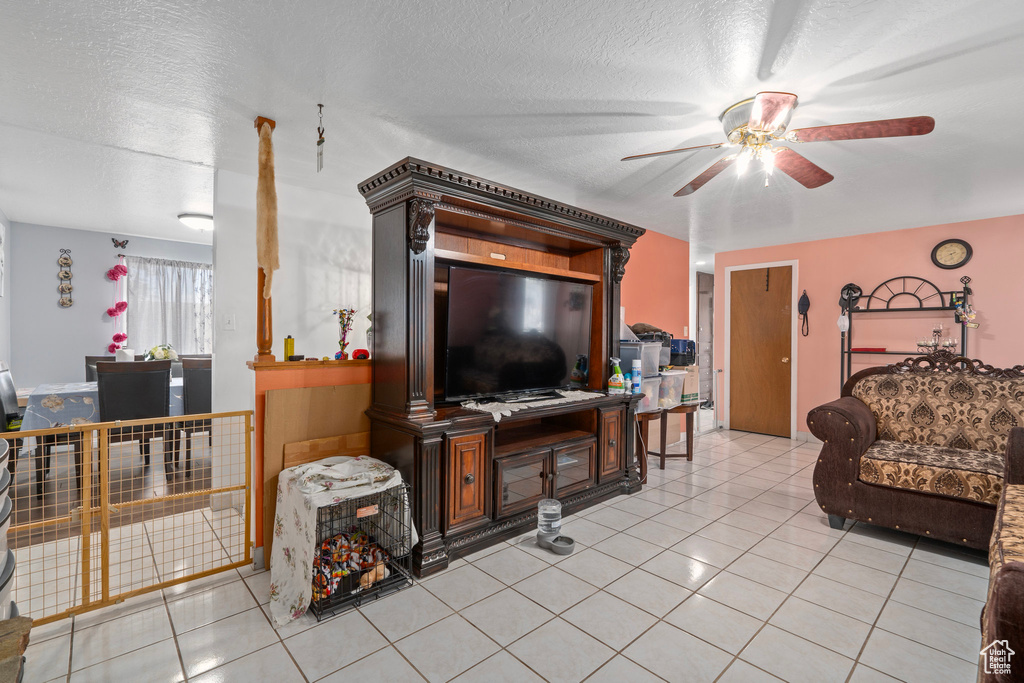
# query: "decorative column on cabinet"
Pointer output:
{"type": "Point", "coordinates": [403, 308]}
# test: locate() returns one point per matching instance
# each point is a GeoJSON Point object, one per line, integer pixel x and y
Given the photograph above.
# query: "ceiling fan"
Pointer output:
{"type": "Point", "coordinates": [757, 123]}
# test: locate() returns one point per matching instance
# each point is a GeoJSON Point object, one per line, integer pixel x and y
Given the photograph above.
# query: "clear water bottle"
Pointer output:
{"type": "Point", "coordinates": [549, 517]}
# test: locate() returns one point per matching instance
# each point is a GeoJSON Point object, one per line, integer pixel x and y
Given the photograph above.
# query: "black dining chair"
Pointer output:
{"type": "Point", "coordinates": [10, 414]}
{"type": "Point", "coordinates": [197, 375]}
{"type": "Point", "coordinates": [134, 391]}
{"type": "Point", "coordinates": [90, 365]}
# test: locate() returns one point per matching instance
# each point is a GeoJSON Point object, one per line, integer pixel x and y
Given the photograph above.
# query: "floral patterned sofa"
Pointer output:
{"type": "Point", "coordinates": [919, 446]}
{"type": "Point", "coordinates": [1003, 617]}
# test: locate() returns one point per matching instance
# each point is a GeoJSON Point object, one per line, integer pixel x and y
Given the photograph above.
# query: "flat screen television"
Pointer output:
{"type": "Point", "coordinates": [512, 334]}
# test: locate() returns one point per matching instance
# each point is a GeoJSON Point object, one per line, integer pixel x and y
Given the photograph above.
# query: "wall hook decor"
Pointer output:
{"type": "Point", "coordinates": [64, 275]}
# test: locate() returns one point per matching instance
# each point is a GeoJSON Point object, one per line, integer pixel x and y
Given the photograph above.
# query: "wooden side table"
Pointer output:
{"type": "Point", "coordinates": [688, 409]}
{"type": "Point", "coordinates": [641, 443]}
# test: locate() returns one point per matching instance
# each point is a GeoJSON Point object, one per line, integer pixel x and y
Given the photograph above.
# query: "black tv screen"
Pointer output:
{"type": "Point", "coordinates": [511, 333]}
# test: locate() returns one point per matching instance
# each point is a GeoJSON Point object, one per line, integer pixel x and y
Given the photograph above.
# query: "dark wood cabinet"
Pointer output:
{"type": "Point", "coordinates": [475, 481]}
{"type": "Point", "coordinates": [612, 446]}
{"type": "Point", "coordinates": [467, 480]}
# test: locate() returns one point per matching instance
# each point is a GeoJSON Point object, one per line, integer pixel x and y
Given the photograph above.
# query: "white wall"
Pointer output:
{"type": "Point", "coordinates": [5, 287]}
{"type": "Point", "coordinates": [47, 342]}
{"type": "Point", "coordinates": [325, 260]}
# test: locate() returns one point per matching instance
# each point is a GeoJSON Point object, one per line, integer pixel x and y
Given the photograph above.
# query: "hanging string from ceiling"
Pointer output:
{"type": "Point", "coordinates": [320, 141]}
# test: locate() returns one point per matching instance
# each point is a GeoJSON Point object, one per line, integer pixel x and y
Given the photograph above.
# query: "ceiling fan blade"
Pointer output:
{"type": "Point", "coordinates": [671, 151]}
{"type": "Point", "coordinates": [707, 175]}
{"type": "Point", "coordinates": [888, 128]}
{"type": "Point", "coordinates": [801, 169]}
{"type": "Point", "coordinates": [771, 111]}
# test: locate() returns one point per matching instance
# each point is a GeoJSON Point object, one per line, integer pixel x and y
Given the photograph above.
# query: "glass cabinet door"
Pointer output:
{"type": "Point", "coordinates": [521, 481]}
{"type": "Point", "coordinates": [574, 467]}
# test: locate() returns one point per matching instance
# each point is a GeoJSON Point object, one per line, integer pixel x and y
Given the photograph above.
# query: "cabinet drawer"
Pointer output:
{"type": "Point", "coordinates": [575, 467]}
{"type": "Point", "coordinates": [466, 480]}
{"type": "Point", "coordinates": [611, 446]}
{"type": "Point", "coordinates": [520, 481]}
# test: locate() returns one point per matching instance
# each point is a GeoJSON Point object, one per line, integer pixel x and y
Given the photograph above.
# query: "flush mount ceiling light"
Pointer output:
{"type": "Point", "coordinates": [755, 124]}
{"type": "Point", "coordinates": [197, 221]}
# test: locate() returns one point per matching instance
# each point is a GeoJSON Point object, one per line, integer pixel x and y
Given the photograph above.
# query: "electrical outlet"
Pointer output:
{"type": "Point", "coordinates": [686, 332]}
{"type": "Point", "coordinates": [229, 322]}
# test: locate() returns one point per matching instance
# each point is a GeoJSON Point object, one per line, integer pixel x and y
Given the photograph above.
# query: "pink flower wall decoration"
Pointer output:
{"type": "Point", "coordinates": [115, 274]}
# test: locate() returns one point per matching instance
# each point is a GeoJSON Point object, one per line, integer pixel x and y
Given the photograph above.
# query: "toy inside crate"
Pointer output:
{"type": "Point", "coordinates": [364, 550]}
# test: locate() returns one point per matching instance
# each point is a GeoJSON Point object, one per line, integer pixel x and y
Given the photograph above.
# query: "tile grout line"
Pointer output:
{"type": "Point", "coordinates": [167, 609]}
{"type": "Point", "coordinates": [878, 616]}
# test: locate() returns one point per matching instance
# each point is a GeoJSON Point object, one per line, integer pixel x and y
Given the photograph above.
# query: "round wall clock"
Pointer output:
{"type": "Point", "coordinates": [950, 254]}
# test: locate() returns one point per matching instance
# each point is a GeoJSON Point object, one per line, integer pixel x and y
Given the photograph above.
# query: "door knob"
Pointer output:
{"type": "Point", "coordinates": [785, 360]}
{"type": "Point", "coordinates": [470, 478]}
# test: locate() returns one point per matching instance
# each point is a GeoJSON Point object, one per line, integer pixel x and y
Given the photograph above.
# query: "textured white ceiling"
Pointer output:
{"type": "Point", "coordinates": [115, 113]}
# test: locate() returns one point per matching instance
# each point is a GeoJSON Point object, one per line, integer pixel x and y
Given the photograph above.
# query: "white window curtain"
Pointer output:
{"type": "Point", "coordinates": [170, 302]}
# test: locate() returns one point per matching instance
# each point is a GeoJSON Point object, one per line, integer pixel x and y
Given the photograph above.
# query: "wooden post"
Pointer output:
{"type": "Point", "coordinates": [264, 306]}
{"type": "Point", "coordinates": [264, 321]}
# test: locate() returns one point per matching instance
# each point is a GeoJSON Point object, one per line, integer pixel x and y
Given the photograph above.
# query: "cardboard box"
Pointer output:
{"type": "Point", "coordinates": [691, 384]}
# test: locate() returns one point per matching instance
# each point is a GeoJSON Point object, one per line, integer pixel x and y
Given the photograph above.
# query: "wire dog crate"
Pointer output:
{"type": "Point", "coordinates": [364, 550]}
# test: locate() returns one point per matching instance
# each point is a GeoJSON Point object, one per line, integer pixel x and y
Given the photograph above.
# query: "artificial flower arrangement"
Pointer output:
{"type": "Point", "coordinates": [115, 274]}
{"type": "Point", "coordinates": [345, 319]}
{"type": "Point", "coordinates": [161, 352]}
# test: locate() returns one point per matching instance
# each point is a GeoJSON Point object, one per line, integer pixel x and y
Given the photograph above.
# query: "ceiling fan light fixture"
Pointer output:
{"type": "Point", "coordinates": [197, 221]}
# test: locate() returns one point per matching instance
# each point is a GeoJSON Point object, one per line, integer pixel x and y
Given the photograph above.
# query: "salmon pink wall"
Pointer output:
{"type": "Point", "coordinates": [656, 288]}
{"type": "Point", "coordinates": [997, 278]}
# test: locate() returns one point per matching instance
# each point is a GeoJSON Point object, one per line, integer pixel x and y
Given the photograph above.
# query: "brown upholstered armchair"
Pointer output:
{"type": "Point", "coordinates": [919, 446]}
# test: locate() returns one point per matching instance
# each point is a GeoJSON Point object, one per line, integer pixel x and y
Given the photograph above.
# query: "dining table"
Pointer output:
{"type": "Point", "coordinates": [72, 403]}
{"type": "Point", "coordinates": [66, 404]}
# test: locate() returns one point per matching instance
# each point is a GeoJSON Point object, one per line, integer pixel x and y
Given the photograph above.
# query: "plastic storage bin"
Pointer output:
{"type": "Point", "coordinates": [649, 386]}
{"type": "Point", "coordinates": [649, 354]}
{"type": "Point", "coordinates": [670, 391]}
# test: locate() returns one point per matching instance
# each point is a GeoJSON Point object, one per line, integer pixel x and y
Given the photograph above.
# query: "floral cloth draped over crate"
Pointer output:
{"type": "Point", "coordinates": [301, 491]}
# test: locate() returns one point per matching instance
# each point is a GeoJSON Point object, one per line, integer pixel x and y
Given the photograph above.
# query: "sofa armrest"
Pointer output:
{"type": "Point", "coordinates": [847, 428]}
{"type": "Point", "coordinates": [847, 420]}
{"type": "Point", "coordinates": [1015, 457]}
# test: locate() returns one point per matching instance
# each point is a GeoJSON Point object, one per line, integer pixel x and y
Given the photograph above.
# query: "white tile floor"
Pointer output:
{"type": "Point", "coordinates": [720, 570]}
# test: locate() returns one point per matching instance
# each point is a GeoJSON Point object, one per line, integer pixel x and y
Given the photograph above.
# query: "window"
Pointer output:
{"type": "Point", "coordinates": [170, 302]}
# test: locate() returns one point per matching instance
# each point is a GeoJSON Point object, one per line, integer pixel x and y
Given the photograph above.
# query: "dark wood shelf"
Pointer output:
{"type": "Point", "coordinates": [508, 440]}
{"type": "Point", "coordinates": [457, 257]}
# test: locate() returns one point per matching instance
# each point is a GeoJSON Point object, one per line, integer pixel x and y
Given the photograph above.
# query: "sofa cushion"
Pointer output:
{"type": "Point", "coordinates": [953, 409]}
{"type": "Point", "coordinates": [1008, 532]}
{"type": "Point", "coordinates": [953, 472]}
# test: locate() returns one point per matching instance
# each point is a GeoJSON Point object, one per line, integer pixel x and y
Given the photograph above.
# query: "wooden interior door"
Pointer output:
{"type": "Point", "coordinates": [760, 335]}
{"type": "Point", "coordinates": [706, 336]}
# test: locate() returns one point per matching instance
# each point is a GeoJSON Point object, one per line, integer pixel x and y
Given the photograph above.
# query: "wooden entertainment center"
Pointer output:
{"type": "Point", "coordinates": [474, 481]}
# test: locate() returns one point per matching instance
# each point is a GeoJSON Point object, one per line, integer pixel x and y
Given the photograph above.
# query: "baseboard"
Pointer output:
{"type": "Point", "coordinates": [808, 437]}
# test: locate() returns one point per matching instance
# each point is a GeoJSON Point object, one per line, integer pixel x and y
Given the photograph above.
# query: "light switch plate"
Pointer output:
{"type": "Point", "coordinates": [229, 322]}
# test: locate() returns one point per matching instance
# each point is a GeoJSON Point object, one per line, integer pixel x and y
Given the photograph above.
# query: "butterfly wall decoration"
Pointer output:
{"type": "Point", "coordinates": [119, 245]}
